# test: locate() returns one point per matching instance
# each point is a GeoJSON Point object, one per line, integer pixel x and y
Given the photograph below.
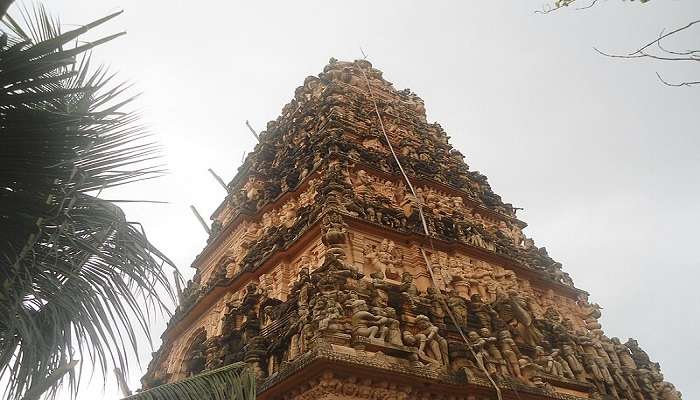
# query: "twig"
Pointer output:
{"type": "Point", "coordinates": [665, 36]}
{"type": "Point", "coordinates": [646, 55]}
{"type": "Point", "coordinates": [588, 6]}
{"type": "Point", "coordinates": [563, 4]}
{"type": "Point", "coordinates": [689, 84]}
{"type": "Point", "coordinates": [680, 53]}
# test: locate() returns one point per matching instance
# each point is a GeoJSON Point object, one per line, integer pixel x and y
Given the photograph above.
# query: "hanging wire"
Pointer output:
{"type": "Point", "coordinates": [429, 236]}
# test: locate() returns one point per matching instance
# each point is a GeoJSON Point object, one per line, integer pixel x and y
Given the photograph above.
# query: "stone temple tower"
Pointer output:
{"type": "Point", "coordinates": [358, 257]}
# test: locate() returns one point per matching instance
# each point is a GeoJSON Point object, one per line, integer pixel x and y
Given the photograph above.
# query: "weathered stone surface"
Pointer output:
{"type": "Point", "coordinates": [319, 268]}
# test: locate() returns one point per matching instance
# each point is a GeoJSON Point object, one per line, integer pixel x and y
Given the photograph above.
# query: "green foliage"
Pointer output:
{"type": "Point", "coordinates": [232, 382]}
{"type": "Point", "coordinates": [77, 280]}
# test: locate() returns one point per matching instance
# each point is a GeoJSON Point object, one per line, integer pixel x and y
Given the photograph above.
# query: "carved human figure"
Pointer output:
{"type": "Point", "coordinates": [267, 316]}
{"type": "Point", "coordinates": [477, 279]}
{"type": "Point", "coordinates": [364, 323]}
{"type": "Point", "coordinates": [407, 287]}
{"type": "Point", "coordinates": [625, 389]}
{"type": "Point", "coordinates": [475, 238]}
{"type": "Point", "coordinates": [388, 254]}
{"type": "Point", "coordinates": [646, 383]}
{"type": "Point", "coordinates": [436, 271]}
{"type": "Point", "coordinates": [483, 311]}
{"type": "Point", "coordinates": [253, 189]}
{"type": "Point", "coordinates": [288, 214]}
{"type": "Point", "coordinates": [510, 353]}
{"type": "Point", "coordinates": [517, 314]}
{"type": "Point", "coordinates": [436, 304]}
{"type": "Point", "coordinates": [307, 334]}
{"type": "Point", "coordinates": [382, 258]}
{"type": "Point", "coordinates": [640, 357]}
{"type": "Point", "coordinates": [609, 347]}
{"type": "Point", "coordinates": [432, 348]}
{"type": "Point", "coordinates": [668, 392]}
{"type": "Point", "coordinates": [478, 344]}
{"type": "Point", "coordinates": [548, 361]}
{"type": "Point", "coordinates": [327, 312]}
{"type": "Point", "coordinates": [495, 356]}
{"type": "Point", "coordinates": [623, 353]}
{"type": "Point", "coordinates": [569, 355]}
{"type": "Point", "coordinates": [596, 364]}
{"type": "Point", "coordinates": [594, 371]}
{"type": "Point", "coordinates": [363, 183]}
{"type": "Point", "coordinates": [590, 314]}
{"type": "Point", "coordinates": [389, 321]}
{"type": "Point", "coordinates": [380, 290]}
{"type": "Point", "coordinates": [459, 308]}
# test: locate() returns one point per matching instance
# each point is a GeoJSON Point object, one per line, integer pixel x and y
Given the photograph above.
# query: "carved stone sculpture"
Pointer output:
{"type": "Point", "coordinates": [432, 348]}
{"type": "Point", "coordinates": [365, 323]}
{"type": "Point", "coordinates": [315, 276]}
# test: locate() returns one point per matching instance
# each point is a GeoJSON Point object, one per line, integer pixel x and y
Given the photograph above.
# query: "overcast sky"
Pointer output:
{"type": "Point", "coordinates": [602, 156]}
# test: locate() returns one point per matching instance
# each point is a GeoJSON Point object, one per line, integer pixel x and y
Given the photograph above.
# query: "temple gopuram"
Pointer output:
{"type": "Point", "coordinates": [357, 256]}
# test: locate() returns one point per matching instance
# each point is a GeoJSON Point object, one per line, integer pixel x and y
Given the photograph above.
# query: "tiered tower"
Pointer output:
{"type": "Point", "coordinates": [357, 257]}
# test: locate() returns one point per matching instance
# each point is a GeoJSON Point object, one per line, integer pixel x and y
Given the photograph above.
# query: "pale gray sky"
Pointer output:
{"type": "Point", "coordinates": [603, 157]}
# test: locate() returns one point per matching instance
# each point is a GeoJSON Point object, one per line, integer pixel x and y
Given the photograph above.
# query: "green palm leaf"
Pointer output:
{"type": "Point", "coordinates": [77, 279]}
{"type": "Point", "coordinates": [232, 382]}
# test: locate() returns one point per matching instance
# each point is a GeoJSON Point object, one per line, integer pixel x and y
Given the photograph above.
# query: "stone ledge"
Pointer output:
{"type": "Point", "coordinates": [325, 357]}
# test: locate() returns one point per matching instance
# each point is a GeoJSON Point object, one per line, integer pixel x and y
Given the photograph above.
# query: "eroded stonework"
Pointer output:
{"type": "Point", "coordinates": [320, 276]}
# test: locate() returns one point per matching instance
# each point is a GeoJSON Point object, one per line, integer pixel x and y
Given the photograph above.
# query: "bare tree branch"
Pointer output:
{"type": "Point", "coordinates": [561, 4]}
{"type": "Point", "coordinates": [663, 36]}
{"type": "Point", "coordinates": [588, 6]}
{"type": "Point", "coordinates": [646, 55]}
{"type": "Point", "coordinates": [664, 55]}
{"type": "Point", "coordinates": [646, 51]}
{"type": "Point", "coordinates": [548, 9]}
{"type": "Point", "coordinates": [689, 83]}
{"type": "Point", "coordinates": [693, 53]}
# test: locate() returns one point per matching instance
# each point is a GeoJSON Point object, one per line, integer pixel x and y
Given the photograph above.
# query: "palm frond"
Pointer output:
{"type": "Point", "coordinates": [232, 382]}
{"type": "Point", "coordinates": [76, 278]}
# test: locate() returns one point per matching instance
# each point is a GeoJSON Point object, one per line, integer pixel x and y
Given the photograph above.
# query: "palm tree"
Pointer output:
{"type": "Point", "coordinates": [77, 279]}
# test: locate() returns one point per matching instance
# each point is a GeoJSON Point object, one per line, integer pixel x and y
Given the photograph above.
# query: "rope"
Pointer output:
{"type": "Point", "coordinates": [429, 236]}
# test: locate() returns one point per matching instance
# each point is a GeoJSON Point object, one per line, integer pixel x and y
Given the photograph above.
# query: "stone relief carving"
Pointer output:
{"type": "Point", "coordinates": [323, 164]}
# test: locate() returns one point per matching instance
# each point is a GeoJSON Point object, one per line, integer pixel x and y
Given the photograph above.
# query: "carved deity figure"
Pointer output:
{"type": "Point", "coordinates": [383, 258]}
